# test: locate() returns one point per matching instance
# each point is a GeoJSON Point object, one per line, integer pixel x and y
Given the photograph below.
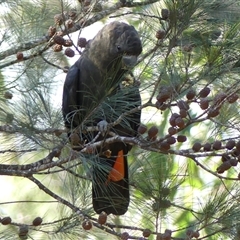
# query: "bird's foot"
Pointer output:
{"type": "Point", "coordinates": [103, 126]}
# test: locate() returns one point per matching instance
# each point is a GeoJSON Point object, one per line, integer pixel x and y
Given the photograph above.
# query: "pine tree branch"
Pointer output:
{"type": "Point", "coordinates": [77, 26]}
{"type": "Point", "coordinates": [138, 13]}
{"type": "Point", "coordinates": [29, 169]}
{"type": "Point", "coordinates": [47, 162]}
{"type": "Point", "coordinates": [18, 151]}
{"type": "Point", "coordinates": [73, 207]}
{"type": "Point", "coordinates": [23, 47]}
{"type": "Point", "coordinates": [11, 129]}
{"type": "Point", "coordinates": [55, 196]}
{"type": "Point", "coordinates": [52, 64]}
{"type": "Point", "coordinates": [26, 201]}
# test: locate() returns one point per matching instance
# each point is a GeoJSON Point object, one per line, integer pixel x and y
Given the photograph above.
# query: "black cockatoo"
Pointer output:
{"type": "Point", "coordinates": [98, 89]}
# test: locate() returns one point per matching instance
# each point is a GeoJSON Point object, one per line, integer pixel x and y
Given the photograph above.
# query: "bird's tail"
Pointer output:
{"type": "Point", "coordinates": [110, 187]}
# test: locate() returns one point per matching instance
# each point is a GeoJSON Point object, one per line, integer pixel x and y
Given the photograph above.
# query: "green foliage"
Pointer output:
{"type": "Point", "coordinates": [174, 188]}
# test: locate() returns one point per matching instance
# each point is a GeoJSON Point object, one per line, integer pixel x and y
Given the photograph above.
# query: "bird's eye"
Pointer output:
{"type": "Point", "coordinates": [119, 48]}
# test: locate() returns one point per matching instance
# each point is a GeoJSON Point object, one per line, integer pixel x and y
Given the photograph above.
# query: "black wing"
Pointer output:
{"type": "Point", "coordinates": [72, 98]}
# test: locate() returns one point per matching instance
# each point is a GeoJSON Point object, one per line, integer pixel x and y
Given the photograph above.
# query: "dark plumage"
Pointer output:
{"type": "Point", "coordinates": [94, 91]}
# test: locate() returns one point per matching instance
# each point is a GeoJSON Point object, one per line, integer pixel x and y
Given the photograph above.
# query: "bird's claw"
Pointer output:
{"type": "Point", "coordinates": [103, 126]}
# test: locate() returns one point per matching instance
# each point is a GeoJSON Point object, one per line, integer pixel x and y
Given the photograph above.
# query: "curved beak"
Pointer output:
{"type": "Point", "coordinates": [129, 61]}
